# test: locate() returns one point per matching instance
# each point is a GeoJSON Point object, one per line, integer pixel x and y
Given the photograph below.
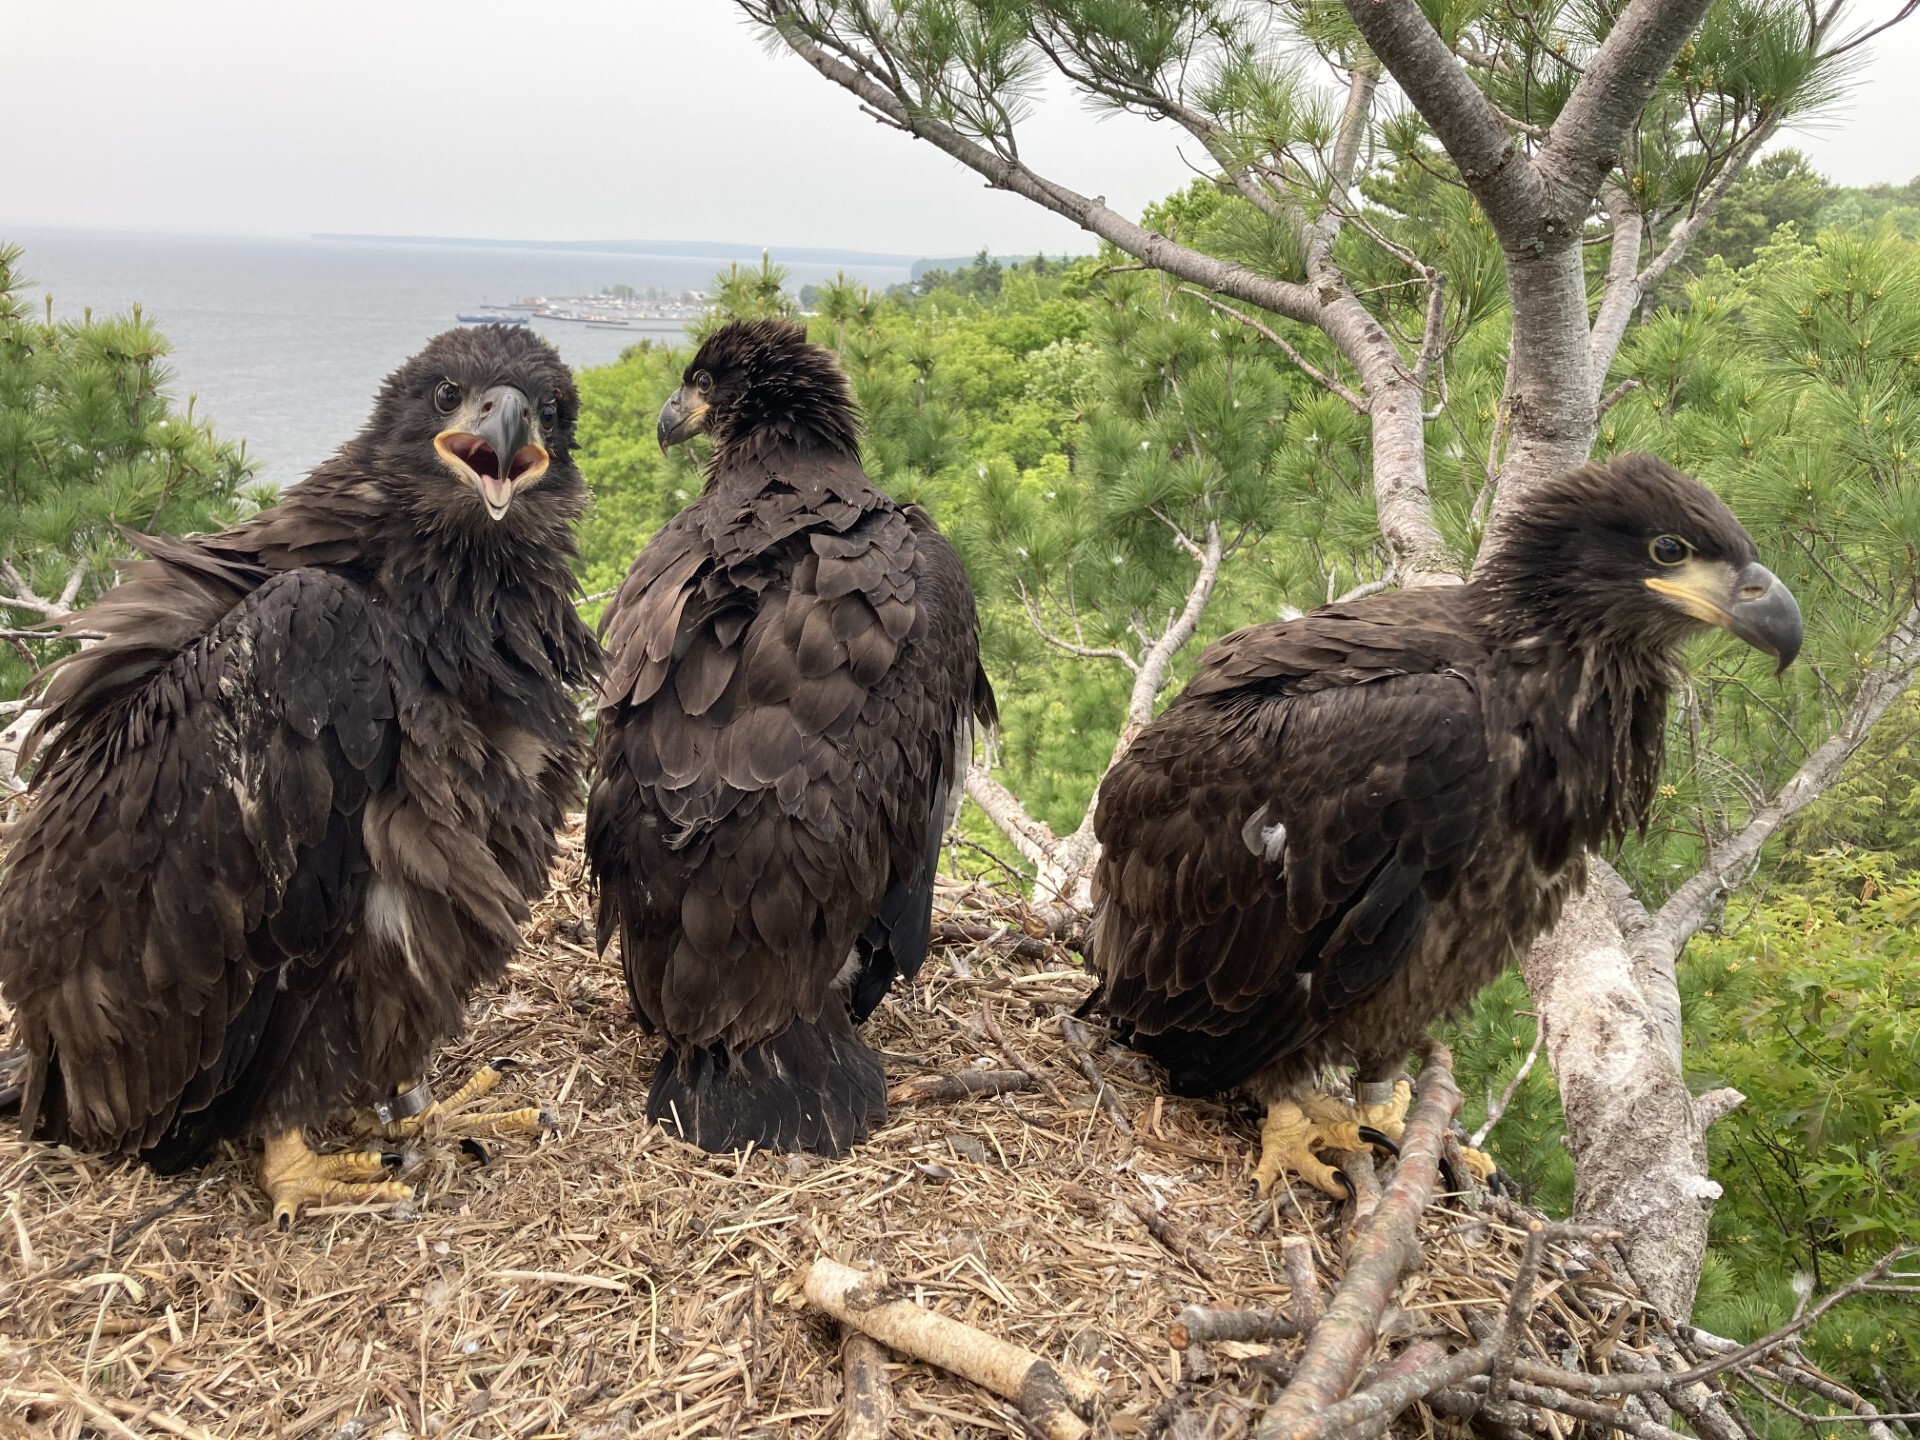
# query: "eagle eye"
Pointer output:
{"type": "Point", "coordinates": [446, 397]}
{"type": "Point", "coordinates": [703, 382]}
{"type": "Point", "coordinates": [1669, 550]}
{"type": "Point", "coordinates": [549, 414]}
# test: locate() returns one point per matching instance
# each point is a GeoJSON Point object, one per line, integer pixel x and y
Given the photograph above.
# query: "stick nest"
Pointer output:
{"type": "Point", "coordinates": [612, 1281]}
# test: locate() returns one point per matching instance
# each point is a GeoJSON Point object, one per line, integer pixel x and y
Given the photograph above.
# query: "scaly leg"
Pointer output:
{"type": "Point", "coordinates": [444, 1117]}
{"type": "Point", "coordinates": [293, 1175]}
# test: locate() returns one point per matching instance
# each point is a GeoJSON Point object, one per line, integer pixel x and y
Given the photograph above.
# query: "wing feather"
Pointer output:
{"type": "Point", "coordinates": [191, 838]}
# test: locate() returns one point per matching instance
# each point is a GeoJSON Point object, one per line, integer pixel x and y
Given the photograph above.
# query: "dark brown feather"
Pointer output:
{"type": "Point", "coordinates": [292, 809]}
{"type": "Point", "coordinates": [792, 662]}
{"type": "Point", "coordinates": [1349, 823]}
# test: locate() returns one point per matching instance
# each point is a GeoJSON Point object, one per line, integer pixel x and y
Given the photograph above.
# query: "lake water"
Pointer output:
{"type": "Point", "coordinates": [285, 341]}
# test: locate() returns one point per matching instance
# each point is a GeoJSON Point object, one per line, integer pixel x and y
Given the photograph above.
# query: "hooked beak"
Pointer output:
{"type": "Point", "coordinates": [490, 446]}
{"type": "Point", "coordinates": [681, 418]}
{"type": "Point", "coordinates": [1752, 605]}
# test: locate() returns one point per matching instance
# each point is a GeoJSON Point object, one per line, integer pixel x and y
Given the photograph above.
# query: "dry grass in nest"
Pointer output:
{"type": "Point", "coordinates": [613, 1281]}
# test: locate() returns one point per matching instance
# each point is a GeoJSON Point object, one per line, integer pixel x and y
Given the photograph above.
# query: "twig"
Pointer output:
{"type": "Point", "coordinates": [1478, 1139]}
{"type": "Point", "coordinates": [134, 1227]}
{"type": "Point", "coordinates": [1014, 1058]}
{"type": "Point", "coordinates": [1303, 1279]}
{"type": "Point", "coordinates": [869, 1396]}
{"type": "Point", "coordinates": [961, 1085]}
{"type": "Point", "coordinates": [1519, 1307]}
{"type": "Point", "coordinates": [1273, 337]}
{"type": "Point", "coordinates": [1173, 1240]}
{"type": "Point", "coordinates": [1206, 1324]}
{"type": "Point", "coordinates": [1380, 1256]}
{"type": "Point", "coordinates": [860, 1299]}
{"type": "Point", "coordinates": [1077, 1039]}
{"type": "Point", "coordinates": [1732, 1359]}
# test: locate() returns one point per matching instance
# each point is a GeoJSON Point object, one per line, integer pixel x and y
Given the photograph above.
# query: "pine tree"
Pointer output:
{"type": "Point", "coordinates": [91, 447]}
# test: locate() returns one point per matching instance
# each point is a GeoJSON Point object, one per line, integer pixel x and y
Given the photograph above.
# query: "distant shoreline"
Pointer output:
{"type": "Point", "coordinates": [659, 249]}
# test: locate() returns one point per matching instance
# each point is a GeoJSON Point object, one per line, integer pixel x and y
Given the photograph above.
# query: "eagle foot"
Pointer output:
{"type": "Point", "coordinates": [445, 1117]}
{"type": "Point", "coordinates": [1482, 1167]}
{"type": "Point", "coordinates": [293, 1175]}
{"type": "Point", "coordinates": [1388, 1117]}
{"type": "Point", "coordinates": [1294, 1130]}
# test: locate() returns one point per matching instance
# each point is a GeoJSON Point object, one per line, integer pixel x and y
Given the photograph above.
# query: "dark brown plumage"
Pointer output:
{"type": "Point", "coordinates": [794, 673]}
{"type": "Point", "coordinates": [1349, 823]}
{"type": "Point", "coordinates": [291, 810]}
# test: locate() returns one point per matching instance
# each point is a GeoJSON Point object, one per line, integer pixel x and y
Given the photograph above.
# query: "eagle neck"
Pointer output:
{"type": "Point", "coordinates": [1591, 710]}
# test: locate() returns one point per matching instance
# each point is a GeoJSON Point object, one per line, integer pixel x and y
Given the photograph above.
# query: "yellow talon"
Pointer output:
{"type": "Point", "coordinates": [1290, 1134]}
{"type": "Point", "coordinates": [293, 1175]}
{"type": "Point", "coordinates": [444, 1117]}
{"type": "Point", "coordinates": [1480, 1163]}
{"type": "Point", "coordinates": [1389, 1117]}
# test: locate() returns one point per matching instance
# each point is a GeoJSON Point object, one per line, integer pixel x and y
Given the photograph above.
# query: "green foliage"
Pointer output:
{"type": "Point", "coordinates": [90, 445]}
{"type": "Point", "coordinates": [1811, 1007]}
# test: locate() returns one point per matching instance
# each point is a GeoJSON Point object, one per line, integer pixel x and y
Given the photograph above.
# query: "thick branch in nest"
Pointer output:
{"type": "Point", "coordinates": [1052, 1401]}
{"type": "Point", "coordinates": [1384, 1251]}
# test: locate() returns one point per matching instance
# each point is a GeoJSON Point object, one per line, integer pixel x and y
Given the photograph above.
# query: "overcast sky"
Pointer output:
{"type": "Point", "coordinates": [571, 119]}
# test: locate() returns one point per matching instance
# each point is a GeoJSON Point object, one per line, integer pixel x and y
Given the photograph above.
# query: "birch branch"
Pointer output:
{"type": "Point", "coordinates": [1032, 838]}
{"type": "Point", "coordinates": [862, 1301]}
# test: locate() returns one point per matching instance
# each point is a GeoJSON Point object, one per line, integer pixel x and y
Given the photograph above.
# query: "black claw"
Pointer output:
{"type": "Point", "coordinates": [1353, 1195]}
{"type": "Point", "coordinates": [282, 1223]}
{"type": "Point", "coordinates": [1380, 1140]}
{"type": "Point", "coordinates": [549, 1120]}
{"type": "Point", "coordinates": [1449, 1179]}
{"type": "Point", "coordinates": [504, 1063]}
{"type": "Point", "coordinates": [393, 1159]}
{"type": "Point", "coordinates": [475, 1149]}
{"type": "Point", "coordinates": [1499, 1184]}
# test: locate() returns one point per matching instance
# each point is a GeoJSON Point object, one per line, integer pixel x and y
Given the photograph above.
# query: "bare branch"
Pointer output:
{"type": "Point", "coordinates": [1071, 647]}
{"type": "Point", "coordinates": [1614, 396]}
{"type": "Point", "coordinates": [886, 95]}
{"type": "Point", "coordinates": [1687, 909]}
{"type": "Point", "coordinates": [1499, 1107]}
{"type": "Point", "coordinates": [1031, 837]}
{"type": "Point", "coordinates": [1301, 363]}
{"type": "Point", "coordinates": [1436, 330]}
{"type": "Point", "coordinates": [21, 596]}
{"type": "Point", "coordinates": [1621, 295]}
{"type": "Point", "coordinates": [71, 590]}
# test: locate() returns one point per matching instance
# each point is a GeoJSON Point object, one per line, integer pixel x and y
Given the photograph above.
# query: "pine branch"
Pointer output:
{"type": "Point", "coordinates": [1278, 341]}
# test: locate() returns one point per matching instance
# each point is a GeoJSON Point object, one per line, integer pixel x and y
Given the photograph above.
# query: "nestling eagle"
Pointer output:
{"type": "Point", "coordinates": [1351, 822]}
{"type": "Point", "coordinates": [793, 679]}
{"type": "Point", "coordinates": [290, 810]}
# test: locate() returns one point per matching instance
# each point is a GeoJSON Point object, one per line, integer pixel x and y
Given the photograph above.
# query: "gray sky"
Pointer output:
{"type": "Point", "coordinates": [572, 119]}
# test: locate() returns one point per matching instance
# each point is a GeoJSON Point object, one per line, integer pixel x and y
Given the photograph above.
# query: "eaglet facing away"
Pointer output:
{"type": "Point", "coordinates": [793, 679]}
{"type": "Point", "coordinates": [291, 808]}
{"type": "Point", "coordinates": [1349, 823]}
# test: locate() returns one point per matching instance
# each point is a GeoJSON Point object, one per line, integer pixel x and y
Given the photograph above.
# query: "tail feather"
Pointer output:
{"type": "Point", "coordinates": [814, 1086]}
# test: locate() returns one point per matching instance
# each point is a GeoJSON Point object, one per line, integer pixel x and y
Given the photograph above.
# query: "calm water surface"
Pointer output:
{"type": "Point", "coordinates": [285, 341]}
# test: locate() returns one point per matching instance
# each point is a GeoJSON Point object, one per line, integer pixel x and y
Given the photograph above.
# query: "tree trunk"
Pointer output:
{"type": "Point", "coordinates": [1639, 1150]}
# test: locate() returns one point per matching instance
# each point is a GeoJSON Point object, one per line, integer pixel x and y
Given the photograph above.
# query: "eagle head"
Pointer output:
{"type": "Point", "coordinates": [477, 431]}
{"type": "Point", "coordinates": [758, 383]}
{"type": "Point", "coordinates": [1637, 552]}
